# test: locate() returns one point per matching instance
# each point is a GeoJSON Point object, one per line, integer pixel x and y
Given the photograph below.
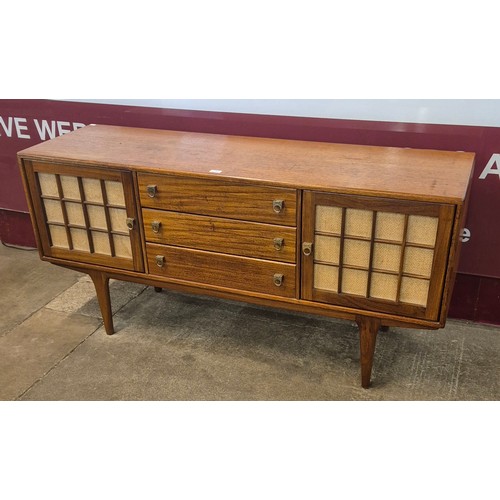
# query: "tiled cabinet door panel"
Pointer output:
{"type": "Point", "coordinates": [373, 253]}
{"type": "Point", "coordinates": [86, 214]}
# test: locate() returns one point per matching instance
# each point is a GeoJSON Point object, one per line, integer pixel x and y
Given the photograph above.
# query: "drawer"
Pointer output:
{"type": "Point", "coordinates": [220, 198]}
{"type": "Point", "coordinates": [225, 271]}
{"type": "Point", "coordinates": [248, 239]}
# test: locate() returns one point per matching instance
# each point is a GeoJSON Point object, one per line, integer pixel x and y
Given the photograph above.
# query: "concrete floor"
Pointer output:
{"type": "Point", "coordinates": [171, 346]}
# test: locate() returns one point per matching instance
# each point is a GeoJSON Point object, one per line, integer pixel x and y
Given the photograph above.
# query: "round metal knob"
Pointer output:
{"type": "Point", "coordinates": [130, 223]}
{"type": "Point", "coordinates": [152, 189]}
{"type": "Point", "coordinates": [278, 279]}
{"type": "Point", "coordinates": [307, 249]}
{"type": "Point", "coordinates": [155, 226]}
{"type": "Point", "coordinates": [278, 206]}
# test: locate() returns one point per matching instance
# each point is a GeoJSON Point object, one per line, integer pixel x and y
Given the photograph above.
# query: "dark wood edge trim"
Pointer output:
{"type": "Point", "coordinates": [140, 223]}
{"type": "Point", "coordinates": [298, 239]}
{"type": "Point", "coordinates": [107, 216]}
{"type": "Point", "coordinates": [306, 263]}
{"type": "Point", "coordinates": [404, 197]}
{"type": "Point", "coordinates": [341, 252]}
{"type": "Point", "coordinates": [24, 168]}
{"type": "Point", "coordinates": [64, 211]}
{"type": "Point", "coordinates": [39, 212]}
{"type": "Point", "coordinates": [76, 170]}
{"type": "Point", "coordinates": [134, 234]}
{"type": "Point", "coordinates": [250, 297]}
{"type": "Point", "coordinates": [370, 303]}
{"type": "Point", "coordinates": [380, 204]}
{"type": "Point", "coordinates": [88, 259]}
{"type": "Point", "coordinates": [85, 214]}
{"type": "Point", "coordinates": [454, 259]}
{"type": "Point", "coordinates": [151, 176]}
{"type": "Point", "coordinates": [370, 263]}
{"type": "Point", "coordinates": [92, 229]}
{"type": "Point", "coordinates": [158, 212]}
{"type": "Point", "coordinates": [402, 258]}
{"type": "Point", "coordinates": [440, 263]}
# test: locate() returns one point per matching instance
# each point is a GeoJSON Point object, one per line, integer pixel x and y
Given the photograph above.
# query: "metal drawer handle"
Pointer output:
{"type": "Point", "coordinates": [278, 279]}
{"type": "Point", "coordinates": [152, 189]}
{"type": "Point", "coordinates": [155, 226]}
{"type": "Point", "coordinates": [307, 249]}
{"type": "Point", "coordinates": [130, 223]}
{"type": "Point", "coordinates": [278, 243]}
{"type": "Point", "coordinates": [160, 260]}
{"type": "Point", "coordinates": [278, 206]}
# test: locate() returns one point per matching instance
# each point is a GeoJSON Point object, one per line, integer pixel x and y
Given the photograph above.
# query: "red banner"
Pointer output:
{"type": "Point", "coordinates": [27, 122]}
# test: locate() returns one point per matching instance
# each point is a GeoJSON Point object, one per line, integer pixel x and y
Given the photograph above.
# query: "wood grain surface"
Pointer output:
{"type": "Point", "coordinates": [226, 271]}
{"type": "Point", "coordinates": [223, 199]}
{"type": "Point", "coordinates": [373, 170]}
{"type": "Point", "coordinates": [216, 234]}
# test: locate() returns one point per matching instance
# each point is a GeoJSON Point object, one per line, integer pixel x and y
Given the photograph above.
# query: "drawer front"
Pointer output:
{"type": "Point", "coordinates": [248, 239]}
{"type": "Point", "coordinates": [223, 199]}
{"type": "Point", "coordinates": [225, 271]}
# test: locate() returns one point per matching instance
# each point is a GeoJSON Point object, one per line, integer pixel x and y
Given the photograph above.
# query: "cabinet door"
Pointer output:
{"type": "Point", "coordinates": [375, 254]}
{"type": "Point", "coordinates": [86, 214]}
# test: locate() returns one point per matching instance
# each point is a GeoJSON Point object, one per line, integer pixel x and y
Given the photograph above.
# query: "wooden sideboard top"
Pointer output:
{"type": "Point", "coordinates": [419, 174]}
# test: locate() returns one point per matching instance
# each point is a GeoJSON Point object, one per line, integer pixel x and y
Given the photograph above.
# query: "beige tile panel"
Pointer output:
{"type": "Point", "coordinates": [122, 246]}
{"type": "Point", "coordinates": [414, 291]}
{"type": "Point", "coordinates": [114, 193]}
{"type": "Point", "coordinates": [80, 240]}
{"type": "Point", "coordinates": [53, 211]}
{"type": "Point", "coordinates": [48, 184]}
{"type": "Point", "coordinates": [418, 261]}
{"type": "Point", "coordinates": [101, 243]}
{"type": "Point", "coordinates": [92, 190]}
{"type": "Point", "coordinates": [327, 249]}
{"type": "Point", "coordinates": [390, 226]}
{"type": "Point", "coordinates": [326, 277]}
{"type": "Point", "coordinates": [422, 230]}
{"type": "Point", "coordinates": [75, 213]}
{"type": "Point", "coordinates": [58, 236]}
{"type": "Point", "coordinates": [357, 253]}
{"type": "Point", "coordinates": [328, 219]}
{"type": "Point", "coordinates": [358, 223]}
{"type": "Point", "coordinates": [386, 257]}
{"type": "Point", "coordinates": [384, 286]}
{"type": "Point", "coordinates": [97, 217]}
{"type": "Point", "coordinates": [354, 281]}
{"type": "Point", "coordinates": [118, 219]}
{"type": "Point", "coordinates": [70, 187]}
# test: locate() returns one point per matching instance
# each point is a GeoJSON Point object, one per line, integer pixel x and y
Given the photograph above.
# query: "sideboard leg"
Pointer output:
{"type": "Point", "coordinates": [101, 283]}
{"type": "Point", "coordinates": [368, 329]}
{"type": "Point", "coordinates": [158, 289]}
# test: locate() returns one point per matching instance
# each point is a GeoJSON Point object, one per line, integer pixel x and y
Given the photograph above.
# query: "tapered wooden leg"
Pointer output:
{"type": "Point", "coordinates": [101, 283]}
{"type": "Point", "coordinates": [368, 329]}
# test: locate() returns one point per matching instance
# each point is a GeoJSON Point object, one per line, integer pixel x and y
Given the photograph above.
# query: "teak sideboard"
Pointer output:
{"type": "Point", "coordinates": [364, 233]}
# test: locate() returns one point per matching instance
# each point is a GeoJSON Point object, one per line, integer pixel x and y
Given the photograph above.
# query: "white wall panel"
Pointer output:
{"type": "Point", "coordinates": [483, 112]}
